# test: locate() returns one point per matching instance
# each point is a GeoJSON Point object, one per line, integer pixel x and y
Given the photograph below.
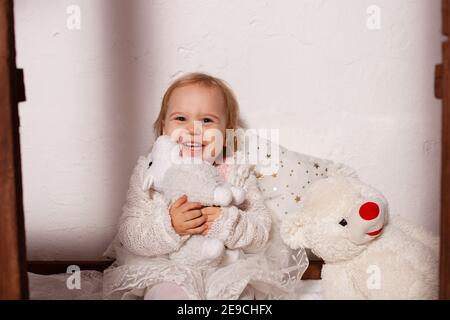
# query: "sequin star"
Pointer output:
{"type": "Point", "coordinates": [274, 175]}
{"type": "Point", "coordinates": [316, 165]}
{"type": "Point", "coordinates": [267, 156]}
{"type": "Point", "coordinates": [297, 199]}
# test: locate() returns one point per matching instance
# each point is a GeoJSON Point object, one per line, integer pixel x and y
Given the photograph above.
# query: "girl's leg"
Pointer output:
{"type": "Point", "coordinates": [165, 291]}
{"type": "Point", "coordinates": [247, 294]}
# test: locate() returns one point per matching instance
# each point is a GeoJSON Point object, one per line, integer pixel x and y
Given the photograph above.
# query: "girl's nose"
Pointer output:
{"type": "Point", "coordinates": [195, 128]}
{"type": "Point", "coordinates": [369, 211]}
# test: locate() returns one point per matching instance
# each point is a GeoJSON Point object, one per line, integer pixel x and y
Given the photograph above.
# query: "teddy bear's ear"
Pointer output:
{"type": "Point", "coordinates": [292, 232]}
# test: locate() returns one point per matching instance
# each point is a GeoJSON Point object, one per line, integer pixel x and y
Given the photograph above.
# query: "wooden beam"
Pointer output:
{"type": "Point", "coordinates": [445, 180]}
{"type": "Point", "coordinates": [444, 282]}
{"type": "Point", "coordinates": [60, 266]}
{"type": "Point", "coordinates": [52, 267]}
{"type": "Point", "coordinates": [13, 278]}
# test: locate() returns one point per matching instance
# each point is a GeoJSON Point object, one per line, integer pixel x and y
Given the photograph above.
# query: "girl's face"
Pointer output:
{"type": "Point", "coordinates": [196, 118]}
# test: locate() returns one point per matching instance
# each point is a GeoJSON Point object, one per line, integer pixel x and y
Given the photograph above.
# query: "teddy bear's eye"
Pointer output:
{"type": "Point", "coordinates": [343, 222]}
{"type": "Point", "coordinates": [150, 164]}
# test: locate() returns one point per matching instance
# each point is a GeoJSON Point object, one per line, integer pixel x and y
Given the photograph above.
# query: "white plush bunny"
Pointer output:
{"type": "Point", "coordinates": [344, 221]}
{"type": "Point", "coordinates": [174, 176]}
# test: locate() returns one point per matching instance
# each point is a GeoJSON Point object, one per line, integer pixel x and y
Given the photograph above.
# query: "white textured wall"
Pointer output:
{"type": "Point", "coordinates": [311, 68]}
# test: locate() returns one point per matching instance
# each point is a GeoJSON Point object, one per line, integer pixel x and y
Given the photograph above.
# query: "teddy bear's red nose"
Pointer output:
{"type": "Point", "coordinates": [369, 211]}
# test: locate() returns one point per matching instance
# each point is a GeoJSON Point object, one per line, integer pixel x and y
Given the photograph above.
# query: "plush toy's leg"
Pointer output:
{"type": "Point", "coordinates": [247, 294]}
{"type": "Point", "coordinates": [165, 291]}
{"type": "Point", "coordinates": [212, 248]}
{"type": "Point", "coordinates": [199, 250]}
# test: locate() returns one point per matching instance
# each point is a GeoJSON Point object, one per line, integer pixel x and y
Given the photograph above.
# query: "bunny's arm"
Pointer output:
{"type": "Point", "coordinates": [247, 228]}
{"type": "Point", "coordinates": [145, 227]}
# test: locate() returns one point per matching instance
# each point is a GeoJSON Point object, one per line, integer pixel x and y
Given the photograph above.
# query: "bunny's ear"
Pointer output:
{"type": "Point", "coordinates": [147, 180]}
{"type": "Point", "coordinates": [292, 232]}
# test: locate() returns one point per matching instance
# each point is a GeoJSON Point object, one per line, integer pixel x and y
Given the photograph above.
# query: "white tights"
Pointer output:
{"type": "Point", "coordinates": [172, 291]}
{"type": "Point", "coordinates": [165, 291]}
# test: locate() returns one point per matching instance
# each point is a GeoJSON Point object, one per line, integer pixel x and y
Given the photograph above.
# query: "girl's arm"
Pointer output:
{"type": "Point", "coordinates": [145, 227]}
{"type": "Point", "coordinates": [246, 228]}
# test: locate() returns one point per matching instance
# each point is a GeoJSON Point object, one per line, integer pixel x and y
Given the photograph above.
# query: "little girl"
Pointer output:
{"type": "Point", "coordinates": [150, 229]}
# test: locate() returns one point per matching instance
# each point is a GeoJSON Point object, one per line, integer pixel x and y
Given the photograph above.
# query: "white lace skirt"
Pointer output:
{"type": "Point", "coordinates": [269, 276]}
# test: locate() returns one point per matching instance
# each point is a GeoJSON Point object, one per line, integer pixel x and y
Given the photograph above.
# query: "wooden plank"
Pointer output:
{"type": "Point", "coordinates": [314, 271]}
{"type": "Point", "coordinates": [442, 90]}
{"type": "Point", "coordinates": [13, 279]}
{"type": "Point", "coordinates": [444, 291]}
{"type": "Point", "coordinates": [52, 267]}
{"type": "Point", "coordinates": [438, 74]}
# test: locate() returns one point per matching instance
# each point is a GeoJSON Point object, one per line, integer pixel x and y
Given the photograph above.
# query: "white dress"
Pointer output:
{"type": "Point", "coordinates": [146, 237]}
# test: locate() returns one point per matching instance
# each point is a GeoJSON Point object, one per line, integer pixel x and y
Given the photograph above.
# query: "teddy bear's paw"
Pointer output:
{"type": "Point", "coordinates": [238, 195]}
{"type": "Point", "coordinates": [222, 196]}
{"type": "Point", "coordinates": [291, 234]}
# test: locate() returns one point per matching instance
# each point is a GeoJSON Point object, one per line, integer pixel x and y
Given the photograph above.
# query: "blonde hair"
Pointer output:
{"type": "Point", "coordinates": [231, 104]}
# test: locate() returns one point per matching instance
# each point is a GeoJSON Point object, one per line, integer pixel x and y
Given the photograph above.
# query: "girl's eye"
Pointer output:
{"type": "Point", "coordinates": [207, 120]}
{"type": "Point", "coordinates": [180, 118]}
{"type": "Point", "coordinates": [343, 222]}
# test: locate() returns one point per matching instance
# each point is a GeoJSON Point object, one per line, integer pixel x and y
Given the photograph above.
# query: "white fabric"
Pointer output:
{"type": "Point", "coordinates": [53, 287]}
{"type": "Point", "coordinates": [247, 294]}
{"type": "Point", "coordinates": [146, 237]}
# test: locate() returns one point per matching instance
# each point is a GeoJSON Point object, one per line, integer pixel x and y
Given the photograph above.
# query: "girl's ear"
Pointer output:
{"type": "Point", "coordinates": [163, 131]}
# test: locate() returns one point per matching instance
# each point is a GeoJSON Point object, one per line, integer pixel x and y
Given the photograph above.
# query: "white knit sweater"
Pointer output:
{"type": "Point", "coordinates": [145, 227]}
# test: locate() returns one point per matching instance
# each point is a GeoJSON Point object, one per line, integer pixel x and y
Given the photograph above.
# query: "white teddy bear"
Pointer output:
{"type": "Point", "coordinates": [345, 222]}
{"type": "Point", "coordinates": [200, 181]}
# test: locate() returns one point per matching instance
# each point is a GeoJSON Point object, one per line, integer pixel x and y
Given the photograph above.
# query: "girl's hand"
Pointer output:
{"type": "Point", "coordinates": [211, 213]}
{"type": "Point", "coordinates": [186, 217]}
